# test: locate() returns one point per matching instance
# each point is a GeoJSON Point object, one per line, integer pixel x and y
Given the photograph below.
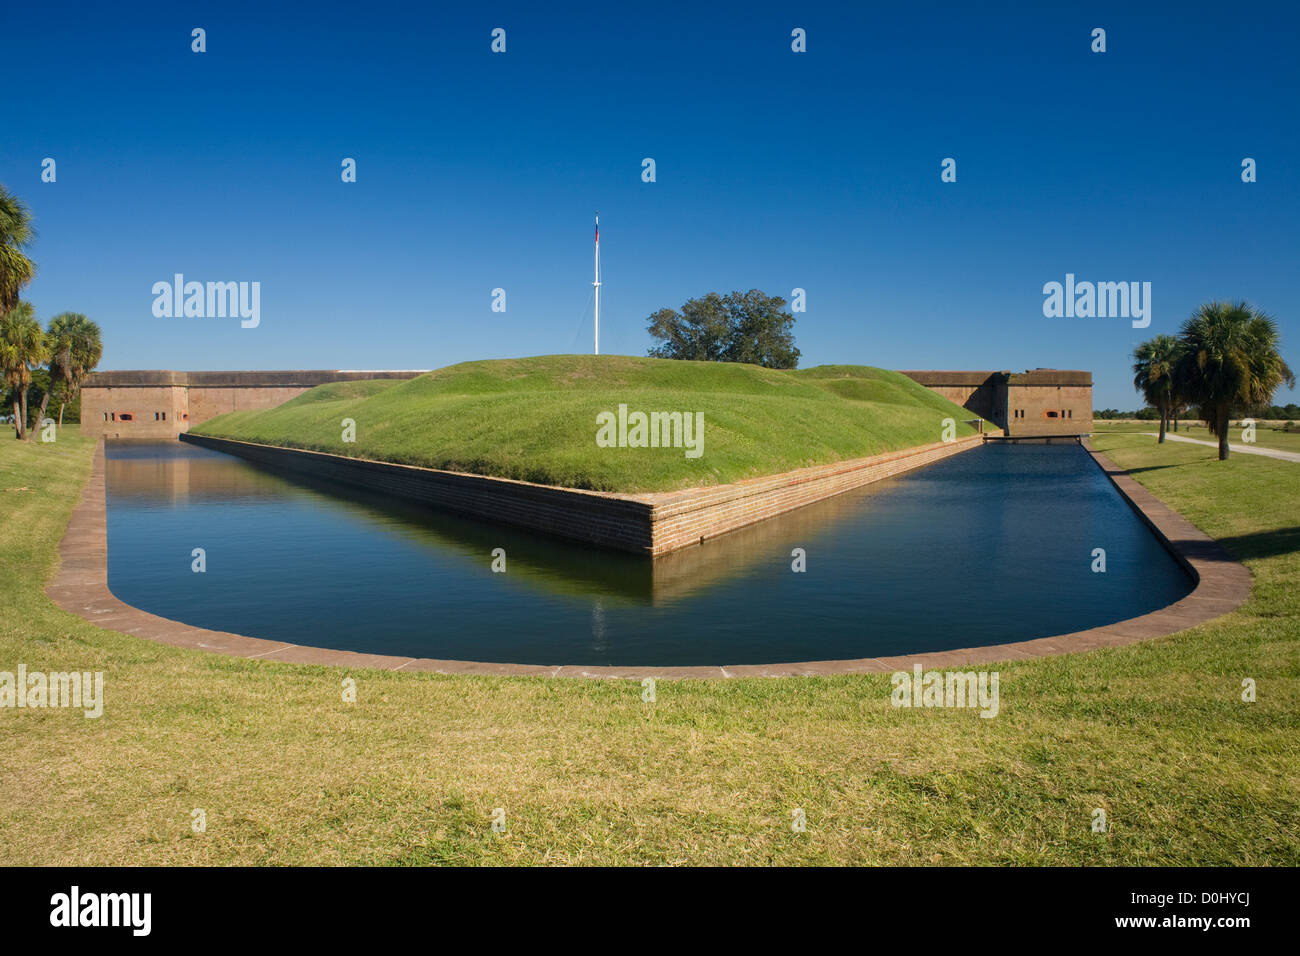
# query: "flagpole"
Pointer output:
{"type": "Point", "coordinates": [597, 284]}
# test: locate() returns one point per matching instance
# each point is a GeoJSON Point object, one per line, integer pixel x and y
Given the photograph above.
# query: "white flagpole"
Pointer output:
{"type": "Point", "coordinates": [597, 284]}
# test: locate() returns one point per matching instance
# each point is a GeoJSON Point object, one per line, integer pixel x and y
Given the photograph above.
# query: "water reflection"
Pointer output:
{"type": "Point", "coordinates": [989, 546]}
{"type": "Point", "coordinates": [181, 474]}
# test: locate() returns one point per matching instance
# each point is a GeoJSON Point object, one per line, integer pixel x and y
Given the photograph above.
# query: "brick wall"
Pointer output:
{"type": "Point", "coordinates": [686, 518]}
{"type": "Point", "coordinates": [987, 400]}
{"type": "Point", "coordinates": [155, 411]}
{"type": "Point", "coordinates": [208, 403]}
{"type": "Point", "coordinates": [189, 398]}
{"type": "Point", "coordinates": [649, 524]}
{"type": "Point", "coordinates": [1049, 410]}
{"type": "Point", "coordinates": [620, 522]}
{"type": "Point", "coordinates": [1037, 402]}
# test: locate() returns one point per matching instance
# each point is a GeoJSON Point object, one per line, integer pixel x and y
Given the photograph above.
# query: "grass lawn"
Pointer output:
{"type": "Point", "coordinates": [1267, 434]}
{"type": "Point", "coordinates": [534, 419]}
{"type": "Point", "coordinates": [1156, 734]}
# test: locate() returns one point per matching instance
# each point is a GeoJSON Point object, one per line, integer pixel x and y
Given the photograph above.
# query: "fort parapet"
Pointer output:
{"type": "Point", "coordinates": [163, 404]}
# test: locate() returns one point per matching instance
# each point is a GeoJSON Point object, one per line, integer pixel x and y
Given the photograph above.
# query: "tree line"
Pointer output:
{"type": "Point", "coordinates": [1290, 412]}
{"type": "Point", "coordinates": [57, 357]}
{"type": "Point", "coordinates": [1226, 361]}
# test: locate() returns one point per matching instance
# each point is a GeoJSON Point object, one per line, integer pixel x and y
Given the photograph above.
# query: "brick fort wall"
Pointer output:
{"type": "Point", "coordinates": [1037, 402]}
{"type": "Point", "coordinates": [164, 404]}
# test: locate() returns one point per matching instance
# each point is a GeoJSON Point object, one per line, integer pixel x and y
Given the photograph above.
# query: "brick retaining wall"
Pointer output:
{"type": "Point", "coordinates": [650, 524]}
{"type": "Point", "coordinates": [611, 521]}
{"type": "Point", "coordinates": [687, 517]}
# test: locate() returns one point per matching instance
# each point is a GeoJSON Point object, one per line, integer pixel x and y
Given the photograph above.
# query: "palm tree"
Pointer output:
{"type": "Point", "coordinates": [1154, 365]}
{"type": "Point", "coordinates": [1230, 362]}
{"type": "Point", "coordinates": [16, 233]}
{"type": "Point", "coordinates": [1180, 406]}
{"type": "Point", "coordinates": [75, 349]}
{"type": "Point", "coordinates": [22, 346]}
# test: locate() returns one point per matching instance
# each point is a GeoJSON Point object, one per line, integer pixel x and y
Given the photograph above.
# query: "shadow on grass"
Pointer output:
{"type": "Point", "coordinates": [1263, 544]}
{"type": "Point", "coordinates": [1138, 471]}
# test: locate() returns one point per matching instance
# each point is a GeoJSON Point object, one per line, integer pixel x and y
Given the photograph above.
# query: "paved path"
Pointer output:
{"type": "Point", "coordinates": [1247, 449]}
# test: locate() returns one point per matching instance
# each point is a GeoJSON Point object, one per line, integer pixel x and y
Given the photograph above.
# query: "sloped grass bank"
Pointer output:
{"type": "Point", "coordinates": [534, 419]}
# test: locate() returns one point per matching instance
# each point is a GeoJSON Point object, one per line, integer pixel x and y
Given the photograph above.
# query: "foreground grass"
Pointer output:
{"type": "Point", "coordinates": [534, 419]}
{"type": "Point", "coordinates": [1156, 734]}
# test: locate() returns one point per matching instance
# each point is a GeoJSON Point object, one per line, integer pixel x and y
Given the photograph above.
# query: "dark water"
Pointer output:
{"type": "Point", "coordinates": [988, 546]}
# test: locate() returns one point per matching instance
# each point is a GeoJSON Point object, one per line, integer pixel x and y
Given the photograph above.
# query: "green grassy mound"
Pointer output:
{"type": "Point", "coordinates": [534, 419]}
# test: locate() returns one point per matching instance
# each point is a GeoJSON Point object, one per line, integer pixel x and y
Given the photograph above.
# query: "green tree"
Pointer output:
{"type": "Point", "coordinates": [1230, 363]}
{"type": "Point", "coordinates": [761, 331]}
{"type": "Point", "coordinates": [1155, 363]}
{"type": "Point", "coordinates": [16, 233]}
{"type": "Point", "coordinates": [22, 348]}
{"type": "Point", "coordinates": [75, 348]}
{"type": "Point", "coordinates": [749, 327]}
{"type": "Point", "coordinates": [699, 333]}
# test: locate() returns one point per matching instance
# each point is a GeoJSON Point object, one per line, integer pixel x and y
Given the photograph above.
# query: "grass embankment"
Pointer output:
{"type": "Point", "coordinates": [1156, 734]}
{"type": "Point", "coordinates": [534, 419]}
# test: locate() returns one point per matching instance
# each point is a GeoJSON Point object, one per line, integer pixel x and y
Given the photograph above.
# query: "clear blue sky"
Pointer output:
{"type": "Point", "coordinates": [775, 170]}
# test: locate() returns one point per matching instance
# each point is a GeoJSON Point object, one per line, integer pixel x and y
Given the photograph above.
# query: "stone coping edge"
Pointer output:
{"type": "Point", "coordinates": [1222, 584]}
{"type": "Point", "coordinates": [646, 523]}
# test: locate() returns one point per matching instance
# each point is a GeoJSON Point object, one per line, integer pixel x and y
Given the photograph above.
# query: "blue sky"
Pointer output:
{"type": "Point", "coordinates": [775, 170]}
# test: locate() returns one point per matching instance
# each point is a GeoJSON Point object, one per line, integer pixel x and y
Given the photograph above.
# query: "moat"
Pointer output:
{"type": "Point", "coordinates": [989, 546]}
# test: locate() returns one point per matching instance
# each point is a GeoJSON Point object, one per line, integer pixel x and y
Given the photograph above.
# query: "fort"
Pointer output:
{"type": "Point", "coordinates": [1036, 403]}
{"type": "Point", "coordinates": [164, 404]}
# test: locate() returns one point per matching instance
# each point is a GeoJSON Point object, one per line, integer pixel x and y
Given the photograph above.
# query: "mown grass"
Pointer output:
{"type": "Point", "coordinates": [1156, 734]}
{"type": "Point", "coordinates": [534, 419]}
{"type": "Point", "coordinates": [1267, 434]}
